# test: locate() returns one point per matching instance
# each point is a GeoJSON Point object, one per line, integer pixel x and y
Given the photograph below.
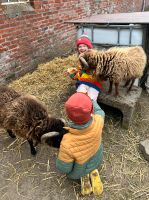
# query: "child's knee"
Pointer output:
{"type": "Point", "coordinates": [82, 88]}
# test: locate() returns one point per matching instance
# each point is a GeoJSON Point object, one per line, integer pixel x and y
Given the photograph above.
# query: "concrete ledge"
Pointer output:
{"type": "Point", "coordinates": [144, 148]}
{"type": "Point", "coordinates": [126, 102]}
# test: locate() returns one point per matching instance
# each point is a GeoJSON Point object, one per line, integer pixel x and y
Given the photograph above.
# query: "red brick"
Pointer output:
{"type": "Point", "coordinates": [45, 26]}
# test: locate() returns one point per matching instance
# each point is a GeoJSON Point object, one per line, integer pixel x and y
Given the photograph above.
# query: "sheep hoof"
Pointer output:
{"type": "Point", "coordinates": [116, 95]}
{"type": "Point", "coordinates": [12, 136]}
{"type": "Point", "coordinates": [108, 92]}
{"type": "Point", "coordinates": [10, 133]}
{"type": "Point", "coordinates": [33, 152]}
{"type": "Point", "coordinates": [131, 90]}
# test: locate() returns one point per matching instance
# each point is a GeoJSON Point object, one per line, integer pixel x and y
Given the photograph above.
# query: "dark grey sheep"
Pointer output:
{"type": "Point", "coordinates": [24, 115]}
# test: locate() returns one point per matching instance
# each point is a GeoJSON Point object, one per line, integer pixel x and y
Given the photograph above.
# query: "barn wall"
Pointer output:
{"type": "Point", "coordinates": [36, 32]}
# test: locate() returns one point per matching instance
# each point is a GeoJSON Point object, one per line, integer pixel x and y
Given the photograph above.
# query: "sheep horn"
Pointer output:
{"type": "Point", "coordinates": [83, 61]}
{"type": "Point", "coordinates": [48, 135]}
{"type": "Point", "coordinates": [63, 120]}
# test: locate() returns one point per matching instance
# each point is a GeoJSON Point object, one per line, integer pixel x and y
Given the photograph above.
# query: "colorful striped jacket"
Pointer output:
{"type": "Point", "coordinates": [81, 149]}
{"type": "Point", "coordinates": [85, 77]}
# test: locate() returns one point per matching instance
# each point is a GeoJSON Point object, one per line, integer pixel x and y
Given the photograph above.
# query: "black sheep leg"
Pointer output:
{"type": "Point", "coordinates": [33, 150]}
{"type": "Point", "coordinates": [127, 83]}
{"type": "Point", "coordinates": [132, 82]}
{"type": "Point", "coordinates": [10, 133]}
{"type": "Point", "coordinates": [116, 89]}
{"type": "Point", "coordinates": [110, 87]}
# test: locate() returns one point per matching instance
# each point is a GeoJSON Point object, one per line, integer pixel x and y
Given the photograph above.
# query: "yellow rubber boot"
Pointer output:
{"type": "Point", "coordinates": [97, 185]}
{"type": "Point", "coordinates": [86, 187]}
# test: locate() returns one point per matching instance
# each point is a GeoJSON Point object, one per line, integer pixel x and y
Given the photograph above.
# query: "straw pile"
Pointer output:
{"type": "Point", "coordinates": [49, 82]}
{"type": "Point", "coordinates": [125, 173]}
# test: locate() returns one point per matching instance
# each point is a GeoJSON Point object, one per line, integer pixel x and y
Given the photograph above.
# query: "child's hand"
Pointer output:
{"type": "Point", "coordinates": [73, 73]}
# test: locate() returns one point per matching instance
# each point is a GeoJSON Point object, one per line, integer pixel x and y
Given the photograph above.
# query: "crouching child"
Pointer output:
{"type": "Point", "coordinates": [81, 149]}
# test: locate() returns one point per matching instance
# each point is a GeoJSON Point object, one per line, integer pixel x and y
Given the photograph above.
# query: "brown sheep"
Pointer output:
{"type": "Point", "coordinates": [24, 115]}
{"type": "Point", "coordinates": [116, 64]}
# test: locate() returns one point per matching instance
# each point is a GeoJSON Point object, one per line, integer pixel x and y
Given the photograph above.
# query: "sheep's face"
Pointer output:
{"type": "Point", "coordinates": [55, 134]}
{"type": "Point", "coordinates": [55, 124]}
{"type": "Point", "coordinates": [88, 58]}
{"type": "Point", "coordinates": [48, 125]}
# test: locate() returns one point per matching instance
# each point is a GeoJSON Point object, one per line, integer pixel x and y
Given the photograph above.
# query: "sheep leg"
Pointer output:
{"type": "Point", "coordinates": [10, 133]}
{"type": "Point", "coordinates": [33, 150]}
{"type": "Point", "coordinates": [110, 87]}
{"type": "Point", "coordinates": [132, 82]}
{"type": "Point", "coordinates": [127, 83]}
{"type": "Point", "coordinates": [116, 89]}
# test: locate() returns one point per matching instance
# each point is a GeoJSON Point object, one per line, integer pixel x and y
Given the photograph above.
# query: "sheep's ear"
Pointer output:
{"type": "Point", "coordinates": [83, 61]}
{"type": "Point", "coordinates": [48, 135]}
{"type": "Point", "coordinates": [38, 129]}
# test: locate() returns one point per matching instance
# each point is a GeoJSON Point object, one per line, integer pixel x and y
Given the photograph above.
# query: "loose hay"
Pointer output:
{"type": "Point", "coordinates": [125, 173]}
{"type": "Point", "coordinates": [49, 83]}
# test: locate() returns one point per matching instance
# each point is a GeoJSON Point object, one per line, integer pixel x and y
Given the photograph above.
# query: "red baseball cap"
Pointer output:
{"type": "Point", "coordinates": [79, 108]}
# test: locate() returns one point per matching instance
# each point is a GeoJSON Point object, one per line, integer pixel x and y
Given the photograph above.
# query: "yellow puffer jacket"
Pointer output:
{"type": "Point", "coordinates": [81, 150]}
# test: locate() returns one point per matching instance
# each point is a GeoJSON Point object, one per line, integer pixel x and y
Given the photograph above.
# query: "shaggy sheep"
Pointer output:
{"type": "Point", "coordinates": [25, 116]}
{"type": "Point", "coordinates": [116, 64]}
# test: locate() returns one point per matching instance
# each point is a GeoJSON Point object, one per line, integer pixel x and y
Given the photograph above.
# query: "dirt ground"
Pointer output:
{"type": "Point", "coordinates": [124, 173]}
{"type": "Point", "coordinates": [25, 177]}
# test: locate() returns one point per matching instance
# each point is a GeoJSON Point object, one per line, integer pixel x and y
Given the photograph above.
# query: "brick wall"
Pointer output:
{"type": "Point", "coordinates": [31, 36]}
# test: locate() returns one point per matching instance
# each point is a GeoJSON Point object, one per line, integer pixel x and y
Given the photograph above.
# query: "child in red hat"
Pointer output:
{"type": "Point", "coordinates": [86, 81]}
{"type": "Point", "coordinates": [81, 149]}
